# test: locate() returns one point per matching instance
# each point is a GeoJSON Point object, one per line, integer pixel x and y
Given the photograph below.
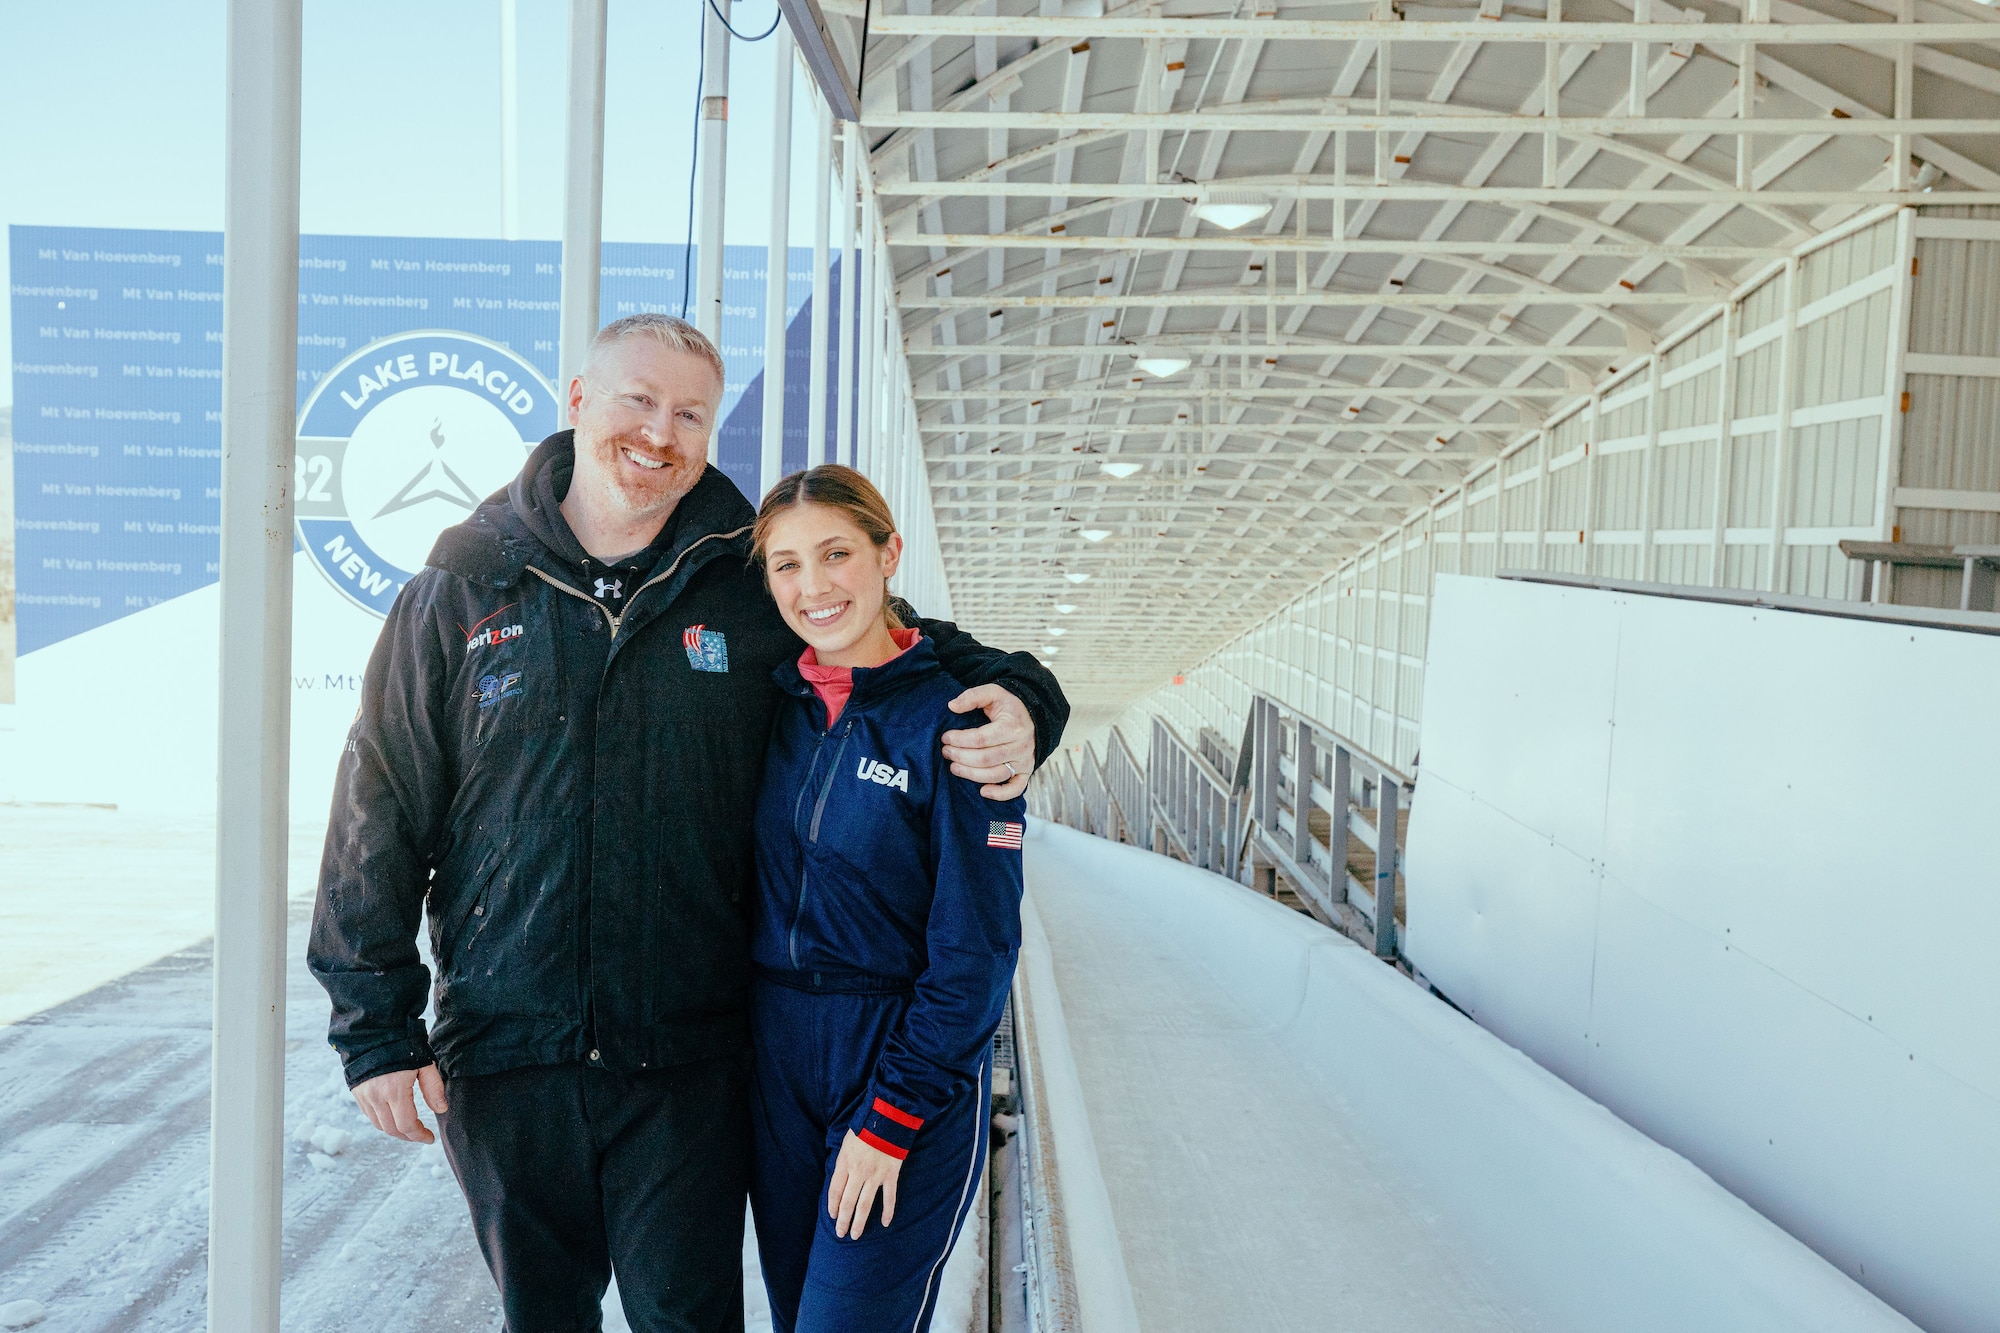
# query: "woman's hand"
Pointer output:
{"type": "Point", "coordinates": [858, 1173]}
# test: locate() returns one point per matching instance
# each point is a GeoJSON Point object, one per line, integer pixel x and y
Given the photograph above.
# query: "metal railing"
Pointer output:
{"type": "Point", "coordinates": [1197, 811]}
{"type": "Point", "coordinates": [1347, 795]}
{"type": "Point", "coordinates": [1247, 823]}
{"type": "Point", "coordinates": [1103, 796]}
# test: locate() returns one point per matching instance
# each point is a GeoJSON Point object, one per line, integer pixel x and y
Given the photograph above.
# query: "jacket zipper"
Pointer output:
{"type": "Point", "coordinates": [590, 1022]}
{"type": "Point", "coordinates": [617, 620]}
{"type": "Point", "coordinates": [812, 834]}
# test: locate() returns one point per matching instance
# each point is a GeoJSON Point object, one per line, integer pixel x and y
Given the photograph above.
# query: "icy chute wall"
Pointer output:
{"type": "Point", "coordinates": [1729, 870]}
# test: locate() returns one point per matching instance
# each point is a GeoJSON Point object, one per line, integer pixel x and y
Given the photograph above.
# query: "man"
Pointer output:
{"type": "Point", "coordinates": [556, 761]}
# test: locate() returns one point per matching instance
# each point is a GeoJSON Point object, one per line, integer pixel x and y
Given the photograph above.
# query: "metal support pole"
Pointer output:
{"type": "Point", "coordinates": [714, 173]}
{"type": "Point", "coordinates": [870, 334]}
{"type": "Point", "coordinates": [260, 284]}
{"type": "Point", "coordinates": [1336, 836]}
{"type": "Point", "coordinates": [583, 190]}
{"type": "Point", "coordinates": [850, 288]}
{"type": "Point", "coordinates": [1388, 796]}
{"type": "Point", "coordinates": [510, 120]}
{"type": "Point", "coordinates": [778, 261]}
{"type": "Point", "coordinates": [822, 282]}
{"type": "Point", "coordinates": [1302, 796]}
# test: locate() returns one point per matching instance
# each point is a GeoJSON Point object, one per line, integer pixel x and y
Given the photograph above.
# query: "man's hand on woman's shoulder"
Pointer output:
{"type": "Point", "coordinates": [1000, 754]}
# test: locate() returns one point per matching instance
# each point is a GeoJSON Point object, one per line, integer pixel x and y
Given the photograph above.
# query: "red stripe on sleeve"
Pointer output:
{"type": "Point", "coordinates": [880, 1144]}
{"type": "Point", "coordinates": [903, 1118]}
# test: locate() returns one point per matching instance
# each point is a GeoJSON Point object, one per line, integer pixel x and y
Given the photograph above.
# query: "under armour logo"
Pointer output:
{"type": "Point", "coordinates": [611, 587]}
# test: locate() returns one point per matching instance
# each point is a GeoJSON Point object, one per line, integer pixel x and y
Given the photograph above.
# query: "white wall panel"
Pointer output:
{"type": "Point", "coordinates": [1781, 890]}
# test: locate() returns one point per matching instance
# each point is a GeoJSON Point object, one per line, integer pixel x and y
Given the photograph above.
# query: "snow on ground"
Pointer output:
{"type": "Point", "coordinates": [88, 894]}
{"type": "Point", "coordinates": [104, 1109]}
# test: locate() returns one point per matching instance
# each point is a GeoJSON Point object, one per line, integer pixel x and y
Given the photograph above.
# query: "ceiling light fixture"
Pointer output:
{"type": "Point", "coordinates": [1160, 366]}
{"type": "Point", "coordinates": [1094, 534]}
{"type": "Point", "coordinates": [1231, 209]}
{"type": "Point", "coordinates": [1119, 470]}
{"type": "Point", "coordinates": [1050, 649]}
{"type": "Point", "coordinates": [1077, 578]}
{"type": "Point", "coordinates": [1064, 608]}
{"type": "Point", "coordinates": [1057, 630]}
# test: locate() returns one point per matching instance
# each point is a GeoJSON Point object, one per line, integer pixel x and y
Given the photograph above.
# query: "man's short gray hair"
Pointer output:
{"type": "Point", "coordinates": [663, 329]}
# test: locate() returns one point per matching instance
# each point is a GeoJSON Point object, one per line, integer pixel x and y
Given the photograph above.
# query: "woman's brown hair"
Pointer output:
{"type": "Point", "coordinates": [836, 487]}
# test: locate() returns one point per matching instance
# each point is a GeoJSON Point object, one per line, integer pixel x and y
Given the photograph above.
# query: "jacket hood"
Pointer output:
{"type": "Point", "coordinates": [518, 524]}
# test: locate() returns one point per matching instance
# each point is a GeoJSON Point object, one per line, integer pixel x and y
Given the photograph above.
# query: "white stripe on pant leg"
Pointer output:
{"type": "Point", "coordinates": [971, 1171]}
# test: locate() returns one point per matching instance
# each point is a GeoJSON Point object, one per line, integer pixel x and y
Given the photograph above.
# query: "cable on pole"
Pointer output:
{"type": "Point", "coordinates": [776, 19]}
{"type": "Point", "coordinates": [694, 163]}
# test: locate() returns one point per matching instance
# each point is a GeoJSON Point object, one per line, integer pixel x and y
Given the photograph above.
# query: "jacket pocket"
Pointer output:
{"type": "Point", "coordinates": [514, 950]}
{"type": "Point", "coordinates": [452, 904]}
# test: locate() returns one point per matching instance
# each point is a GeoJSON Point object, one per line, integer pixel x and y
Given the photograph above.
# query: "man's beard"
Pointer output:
{"type": "Point", "coordinates": [644, 495]}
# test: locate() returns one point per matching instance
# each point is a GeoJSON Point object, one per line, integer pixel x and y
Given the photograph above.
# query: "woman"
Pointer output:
{"type": "Point", "coordinates": [887, 924]}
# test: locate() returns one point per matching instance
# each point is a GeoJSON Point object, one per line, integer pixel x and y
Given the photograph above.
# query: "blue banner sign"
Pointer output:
{"type": "Point", "coordinates": [117, 400]}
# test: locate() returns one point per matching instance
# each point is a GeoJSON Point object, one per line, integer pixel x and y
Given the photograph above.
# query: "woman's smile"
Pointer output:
{"type": "Point", "coordinates": [823, 617]}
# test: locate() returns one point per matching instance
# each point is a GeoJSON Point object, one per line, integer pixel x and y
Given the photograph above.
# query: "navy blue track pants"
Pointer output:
{"type": "Point", "coordinates": [815, 1052]}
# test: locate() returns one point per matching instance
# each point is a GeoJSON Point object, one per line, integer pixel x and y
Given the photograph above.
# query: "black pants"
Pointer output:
{"type": "Point", "coordinates": [572, 1173]}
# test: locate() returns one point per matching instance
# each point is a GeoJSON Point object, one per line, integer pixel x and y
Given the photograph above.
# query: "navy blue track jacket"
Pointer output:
{"type": "Point", "coordinates": [878, 870]}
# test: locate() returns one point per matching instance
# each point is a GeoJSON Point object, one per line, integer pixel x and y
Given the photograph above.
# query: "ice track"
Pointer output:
{"type": "Point", "coordinates": [1294, 1137]}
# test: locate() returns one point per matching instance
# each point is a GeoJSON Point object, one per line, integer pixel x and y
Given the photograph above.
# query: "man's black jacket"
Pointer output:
{"type": "Point", "coordinates": [570, 798]}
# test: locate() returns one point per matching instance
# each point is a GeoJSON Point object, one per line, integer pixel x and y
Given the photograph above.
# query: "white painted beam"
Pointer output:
{"type": "Point", "coordinates": [1051, 28]}
{"type": "Point", "coordinates": [1235, 296]}
{"type": "Point", "coordinates": [1421, 192]}
{"type": "Point", "coordinates": [260, 269]}
{"type": "Point", "coordinates": [1313, 245]}
{"type": "Point", "coordinates": [583, 190]}
{"type": "Point", "coordinates": [1417, 122]}
{"type": "Point", "coordinates": [777, 265]}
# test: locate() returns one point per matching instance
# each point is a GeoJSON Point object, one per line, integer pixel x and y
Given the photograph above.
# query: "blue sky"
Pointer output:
{"type": "Point", "coordinates": [111, 116]}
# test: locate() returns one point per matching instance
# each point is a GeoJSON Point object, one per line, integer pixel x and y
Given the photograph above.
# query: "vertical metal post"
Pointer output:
{"type": "Point", "coordinates": [1593, 440]}
{"type": "Point", "coordinates": [583, 190]}
{"type": "Point", "coordinates": [714, 176]}
{"type": "Point", "coordinates": [1388, 796]}
{"type": "Point", "coordinates": [870, 334]}
{"type": "Point", "coordinates": [260, 284]}
{"type": "Point", "coordinates": [822, 282]}
{"type": "Point", "coordinates": [510, 120]}
{"type": "Point", "coordinates": [1649, 484]}
{"type": "Point", "coordinates": [850, 285]}
{"type": "Point", "coordinates": [1781, 464]}
{"type": "Point", "coordinates": [1266, 760]}
{"type": "Point", "coordinates": [1725, 444]}
{"type": "Point", "coordinates": [1302, 793]}
{"type": "Point", "coordinates": [1890, 471]}
{"type": "Point", "coordinates": [1336, 836]}
{"type": "Point", "coordinates": [777, 263]}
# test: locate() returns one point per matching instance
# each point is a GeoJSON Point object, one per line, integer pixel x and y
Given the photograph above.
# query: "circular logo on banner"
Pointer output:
{"type": "Point", "coordinates": [400, 441]}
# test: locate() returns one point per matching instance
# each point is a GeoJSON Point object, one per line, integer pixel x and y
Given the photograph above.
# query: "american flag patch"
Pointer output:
{"type": "Point", "coordinates": [1003, 834]}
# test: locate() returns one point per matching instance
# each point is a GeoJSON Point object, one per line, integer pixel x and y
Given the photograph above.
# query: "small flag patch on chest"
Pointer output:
{"type": "Point", "coordinates": [706, 648]}
{"type": "Point", "coordinates": [1003, 834]}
